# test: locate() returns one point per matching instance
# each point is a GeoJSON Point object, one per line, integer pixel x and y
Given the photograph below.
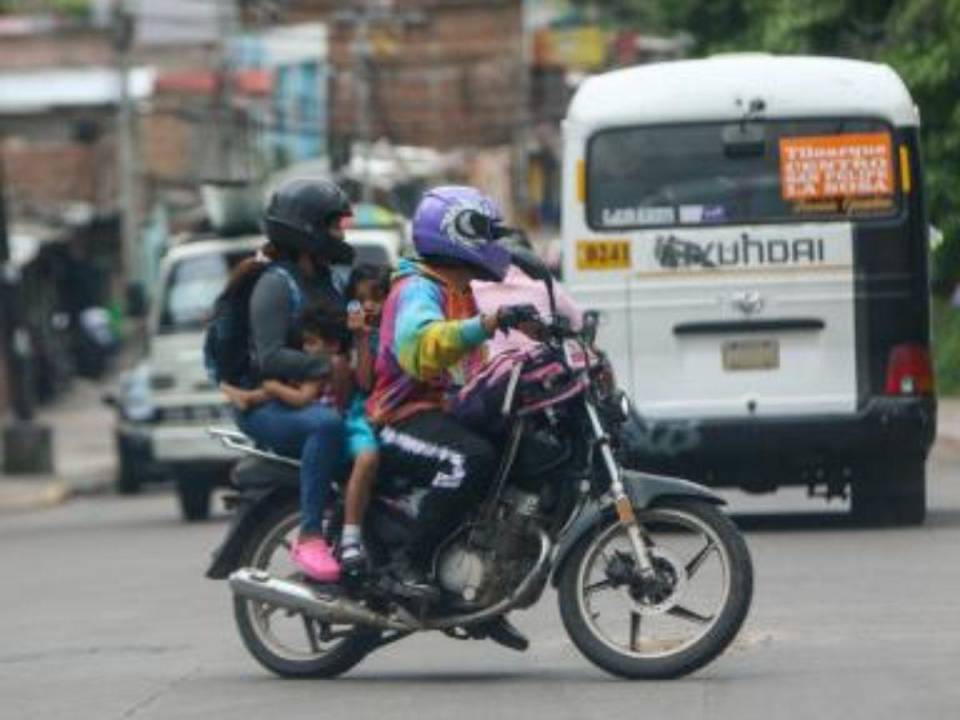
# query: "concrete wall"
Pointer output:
{"type": "Point", "coordinates": [44, 176]}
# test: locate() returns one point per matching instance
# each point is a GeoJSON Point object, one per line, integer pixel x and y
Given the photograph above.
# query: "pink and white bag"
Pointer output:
{"type": "Point", "coordinates": [539, 381]}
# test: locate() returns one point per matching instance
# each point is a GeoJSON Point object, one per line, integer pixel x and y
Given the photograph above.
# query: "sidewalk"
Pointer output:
{"type": "Point", "coordinates": [948, 421]}
{"type": "Point", "coordinates": [83, 452]}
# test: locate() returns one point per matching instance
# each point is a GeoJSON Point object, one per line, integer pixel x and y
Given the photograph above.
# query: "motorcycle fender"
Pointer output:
{"type": "Point", "coordinates": [644, 490]}
{"type": "Point", "coordinates": [250, 509]}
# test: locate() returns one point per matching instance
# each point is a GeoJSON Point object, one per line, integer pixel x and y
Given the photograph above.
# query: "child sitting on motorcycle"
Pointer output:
{"type": "Point", "coordinates": [326, 331]}
{"type": "Point", "coordinates": [367, 290]}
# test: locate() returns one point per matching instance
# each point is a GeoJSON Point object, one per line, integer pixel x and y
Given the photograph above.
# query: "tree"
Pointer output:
{"type": "Point", "coordinates": [923, 43]}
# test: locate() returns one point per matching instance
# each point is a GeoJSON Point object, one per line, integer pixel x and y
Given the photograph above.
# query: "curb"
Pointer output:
{"type": "Point", "coordinates": [105, 487]}
{"type": "Point", "coordinates": [20, 496]}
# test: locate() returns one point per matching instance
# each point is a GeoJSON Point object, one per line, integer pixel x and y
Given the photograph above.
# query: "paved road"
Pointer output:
{"type": "Point", "coordinates": [106, 616]}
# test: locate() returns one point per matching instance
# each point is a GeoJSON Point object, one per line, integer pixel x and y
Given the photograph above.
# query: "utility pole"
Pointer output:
{"type": "Point", "coordinates": [361, 108]}
{"type": "Point", "coordinates": [362, 20]}
{"type": "Point", "coordinates": [226, 133]}
{"type": "Point", "coordinates": [127, 175]}
{"type": "Point", "coordinates": [524, 120]}
{"type": "Point", "coordinates": [28, 446]}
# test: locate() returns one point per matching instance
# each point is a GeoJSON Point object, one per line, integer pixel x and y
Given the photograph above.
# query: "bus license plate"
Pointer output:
{"type": "Point", "coordinates": [603, 255]}
{"type": "Point", "coordinates": [751, 355]}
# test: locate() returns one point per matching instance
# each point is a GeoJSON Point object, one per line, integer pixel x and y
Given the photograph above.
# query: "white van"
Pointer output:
{"type": "Point", "coordinates": [752, 229]}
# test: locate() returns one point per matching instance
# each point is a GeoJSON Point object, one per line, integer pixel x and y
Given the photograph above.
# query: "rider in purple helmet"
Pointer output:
{"type": "Point", "coordinates": [431, 337]}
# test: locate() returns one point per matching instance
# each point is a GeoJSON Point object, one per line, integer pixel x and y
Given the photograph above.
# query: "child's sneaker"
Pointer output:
{"type": "Point", "coordinates": [314, 558]}
{"type": "Point", "coordinates": [353, 559]}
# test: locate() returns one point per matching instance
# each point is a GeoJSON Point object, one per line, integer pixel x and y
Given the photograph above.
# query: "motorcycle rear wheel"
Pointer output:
{"type": "Point", "coordinates": [320, 659]}
{"type": "Point", "coordinates": [721, 554]}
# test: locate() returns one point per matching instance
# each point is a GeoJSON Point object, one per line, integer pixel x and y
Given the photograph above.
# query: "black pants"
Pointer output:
{"type": "Point", "coordinates": [434, 451]}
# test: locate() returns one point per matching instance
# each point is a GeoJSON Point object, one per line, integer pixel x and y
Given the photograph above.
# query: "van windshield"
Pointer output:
{"type": "Point", "coordinates": [723, 173]}
{"type": "Point", "coordinates": [192, 286]}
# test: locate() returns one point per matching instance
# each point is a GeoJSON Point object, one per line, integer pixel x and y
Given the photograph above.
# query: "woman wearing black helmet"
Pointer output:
{"type": "Point", "coordinates": [303, 225]}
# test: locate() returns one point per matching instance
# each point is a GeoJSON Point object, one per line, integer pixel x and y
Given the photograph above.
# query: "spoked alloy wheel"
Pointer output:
{"type": "Point", "coordinates": [285, 641]}
{"type": "Point", "coordinates": [672, 624]}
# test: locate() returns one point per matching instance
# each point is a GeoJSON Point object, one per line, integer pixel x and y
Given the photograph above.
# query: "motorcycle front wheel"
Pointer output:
{"type": "Point", "coordinates": [669, 625]}
{"type": "Point", "coordinates": [285, 642]}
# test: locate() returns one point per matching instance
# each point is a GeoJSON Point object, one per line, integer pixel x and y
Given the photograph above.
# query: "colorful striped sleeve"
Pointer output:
{"type": "Point", "coordinates": [425, 343]}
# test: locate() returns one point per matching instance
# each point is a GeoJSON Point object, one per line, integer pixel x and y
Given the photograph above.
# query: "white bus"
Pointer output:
{"type": "Point", "coordinates": [752, 229]}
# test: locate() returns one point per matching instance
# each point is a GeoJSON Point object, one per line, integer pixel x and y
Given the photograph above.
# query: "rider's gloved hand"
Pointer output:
{"type": "Point", "coordinates": [512, 316]}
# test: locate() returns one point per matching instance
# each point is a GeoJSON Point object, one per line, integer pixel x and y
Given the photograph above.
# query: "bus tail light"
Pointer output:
{"type": "Point", "coordinates": [909, 371]}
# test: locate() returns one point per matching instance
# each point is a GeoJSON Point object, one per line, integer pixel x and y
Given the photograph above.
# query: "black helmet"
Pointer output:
{"type": "Point", "coordinates": [299, 214]}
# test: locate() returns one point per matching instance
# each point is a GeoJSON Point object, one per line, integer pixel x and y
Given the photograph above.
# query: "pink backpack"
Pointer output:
{"type": "Point", "coordinates": [539, 380]}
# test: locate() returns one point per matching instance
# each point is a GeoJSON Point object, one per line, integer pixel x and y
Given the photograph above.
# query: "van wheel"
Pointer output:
{"type": "Point", "coordinates": [891, 492]}
{"type": "Point", "coordinates": [128, 474]}
{"type": "Point", "coordinates": [193, 491]}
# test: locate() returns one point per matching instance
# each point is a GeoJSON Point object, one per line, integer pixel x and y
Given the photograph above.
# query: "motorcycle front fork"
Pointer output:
{"type": "Point", "coordinates": [621, 500]}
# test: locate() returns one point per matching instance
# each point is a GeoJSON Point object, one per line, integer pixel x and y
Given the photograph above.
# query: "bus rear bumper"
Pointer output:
{"type": "Point", "coordinates": [764, 453]}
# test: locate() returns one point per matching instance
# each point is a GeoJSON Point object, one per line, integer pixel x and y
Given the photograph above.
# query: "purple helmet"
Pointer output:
{"type": "Point", "coordinates": [458, 224]}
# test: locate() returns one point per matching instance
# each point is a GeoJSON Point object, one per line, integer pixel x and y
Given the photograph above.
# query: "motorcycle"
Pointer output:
{"type": "Point", "coordinates": [652, 579]}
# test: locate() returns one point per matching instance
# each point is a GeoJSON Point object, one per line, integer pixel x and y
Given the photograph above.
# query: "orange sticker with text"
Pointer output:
{"type": "Point", "coordinates": [836, 166]}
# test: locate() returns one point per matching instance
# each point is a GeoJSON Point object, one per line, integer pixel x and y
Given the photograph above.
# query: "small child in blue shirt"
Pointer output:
{"type": "Point", "coordinates": [367, 289]}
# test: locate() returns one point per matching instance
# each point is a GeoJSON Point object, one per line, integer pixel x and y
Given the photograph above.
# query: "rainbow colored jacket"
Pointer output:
{"type": "Point", "coordinates": [431, 339]}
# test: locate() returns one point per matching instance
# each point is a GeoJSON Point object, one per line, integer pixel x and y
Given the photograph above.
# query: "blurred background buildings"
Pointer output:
{"type": "Point", "coordinates": [113, 116]}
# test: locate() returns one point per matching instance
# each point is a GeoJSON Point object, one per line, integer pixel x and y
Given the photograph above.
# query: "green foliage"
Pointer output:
{"type": "Point", "coordinates": [79, 9]}
{"type": "Point", "coordinates": [946, 343]}
{"type": "Point", "coordinates": [920, 39]}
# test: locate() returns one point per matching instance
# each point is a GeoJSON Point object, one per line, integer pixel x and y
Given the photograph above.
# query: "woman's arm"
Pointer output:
{"type": "Point", "coordinates": [271, 316]}
{"type": "Point", "coordinates": [297, 397]}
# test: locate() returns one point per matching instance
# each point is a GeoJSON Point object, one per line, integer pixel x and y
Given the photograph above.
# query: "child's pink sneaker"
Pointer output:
{"type": "Point", "coordinates": [313, 556]}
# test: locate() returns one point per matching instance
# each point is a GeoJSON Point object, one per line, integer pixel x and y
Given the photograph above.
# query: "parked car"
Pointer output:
{"type": "Point", "coordinates": [378, 235]}
{"type": "Point", "coordinates": [166, 402]}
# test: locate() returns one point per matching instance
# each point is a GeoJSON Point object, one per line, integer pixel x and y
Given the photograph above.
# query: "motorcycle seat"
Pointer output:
{"type": "Point", "coordinates": [256, 473]}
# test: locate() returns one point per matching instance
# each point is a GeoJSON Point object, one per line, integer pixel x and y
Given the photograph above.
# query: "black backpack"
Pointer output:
{"type": "Point", "coordinates": [226, 346]}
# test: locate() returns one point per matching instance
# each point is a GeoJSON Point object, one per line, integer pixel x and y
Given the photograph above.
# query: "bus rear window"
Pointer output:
{"type": "Point", "coordinates": [722, 173]}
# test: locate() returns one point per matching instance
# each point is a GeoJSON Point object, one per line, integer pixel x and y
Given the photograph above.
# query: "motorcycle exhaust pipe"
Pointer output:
{"type": "Point", "coordinates": [261, 586]}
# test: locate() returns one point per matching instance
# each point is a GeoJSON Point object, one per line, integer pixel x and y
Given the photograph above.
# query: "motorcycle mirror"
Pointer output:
{"type": "Point", "coordinates": [536, 269]}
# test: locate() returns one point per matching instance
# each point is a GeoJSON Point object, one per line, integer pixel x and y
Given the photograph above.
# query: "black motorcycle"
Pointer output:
{"type": "Point", "coordinates": [653, 580]}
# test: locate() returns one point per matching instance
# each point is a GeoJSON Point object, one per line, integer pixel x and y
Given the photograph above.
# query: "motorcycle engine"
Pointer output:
{"type": "Point", "coordinates": [485, 563]}
{"type": "Point", "coordinates": [462, 570]}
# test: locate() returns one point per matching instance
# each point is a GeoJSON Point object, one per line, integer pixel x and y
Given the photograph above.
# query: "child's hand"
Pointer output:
{"type": "Point", "coordinates": [356, 320]}
{"type": "Point", "coordinates": [232, 395]}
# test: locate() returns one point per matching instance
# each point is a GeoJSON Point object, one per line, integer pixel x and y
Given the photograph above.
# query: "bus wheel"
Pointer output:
{"type": "Point", "coordinates": [891, 492]}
